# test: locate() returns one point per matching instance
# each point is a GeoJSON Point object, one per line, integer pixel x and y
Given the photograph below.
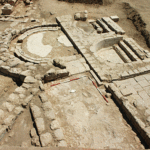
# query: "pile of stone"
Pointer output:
{"type": "Point", "coordinates": [7, 9]}
{"type": "Point", "coordinates": [81, 15]}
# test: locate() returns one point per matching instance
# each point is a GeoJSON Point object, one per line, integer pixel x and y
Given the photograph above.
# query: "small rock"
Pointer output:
{"type": "Point", "coordinates": [8, 106]}
{"type": "Point", "coordinates": [46, 139]}
{"type": "Point", "coordinates": [18, 110]}
{"type": "Point", "coordinates": [32, 68]}
{"type": "Point", "coordinates": [9, 120]}
{"type": "Point", "coordinates": [27, 86]}
{"type": "Point", "coordinates": [62, 143]}
{"type": "Point", "coordinates": [35, 141]}
{"type": "Point", "coordinates": [43, 97]}
{"type": "Point", "coordinates": [33, 20]}
{"type": "Point", "coordinates": [50, 114]}
{"type": "Point", "coordinates": [30, 79]}
{"type": "Point", "coordinates": [33, 132]}
{"type": "Point", "coordinates": [13, 98]}
{"type": "Point", "coordinates": [20, 90]}
{"type": "Point", "coordinates": [22, 96]}
{"type": "Point", "coordinates": [59, 63]}
{"type": "Point", "coordinates": [1, 114]}
{"type": "Point", "coordinates": [38, 77]}
{"type": "Point", "coordinates": [27, 100]}
{"type": "Point", "coordinates": [55, 125]}
{"type": "Point", "coordinates": [47, 106]}
{"type": "Point", "coordinates": [77, 16]}
{"type": "Point", "coordinates": [41, 86]}
{"type": "Point", "coordinates": [34, 91]}
{"type": "Point", "coordinates": [59, 134]}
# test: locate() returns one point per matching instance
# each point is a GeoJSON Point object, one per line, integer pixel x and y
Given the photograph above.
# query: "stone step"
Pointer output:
{"type": "Point", "coordinates": [139, 51]}
{"type": "Point", "coordinates": [122, 54]}
{"type": "Point", "coordinates": [103, 25]}
{"type": "Point", "coordinates": [128, 51]}
{"type": "Point", "coordinates": [113, 26]}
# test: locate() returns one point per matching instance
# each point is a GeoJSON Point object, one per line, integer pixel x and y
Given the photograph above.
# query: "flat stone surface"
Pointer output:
{"type": "Point", "coordinates": [85, 117]}
{"type": "Point", "coordinates": [40, 125]}
{"type": "Point", "coordinates": [64, 40]}
{"type": "Point", "coordinates": [30, 79]}
{"type": "Point", "coordinates": [59, 134]}
{"type": "Point", "coordinates": [144, 83]}
{"type": "Point", "coordinates": [35, 45]}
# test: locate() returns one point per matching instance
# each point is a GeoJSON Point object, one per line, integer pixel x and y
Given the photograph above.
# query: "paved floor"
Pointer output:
{"type": "Point", "coordinates": [87, 120]}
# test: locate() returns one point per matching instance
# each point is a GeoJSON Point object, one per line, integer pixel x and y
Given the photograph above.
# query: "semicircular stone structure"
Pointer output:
{"type": "Point", "coordinates": [41, 44]}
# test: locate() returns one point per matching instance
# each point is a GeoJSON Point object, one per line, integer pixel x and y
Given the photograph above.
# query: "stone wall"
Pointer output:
{"type": "Point", "coordinates": [85, 1]}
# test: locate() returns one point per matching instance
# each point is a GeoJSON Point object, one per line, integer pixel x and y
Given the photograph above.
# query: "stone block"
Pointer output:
{"type": "Point", "coordinates": [9, 120]}
{"type": "Point", "coordinates": [49, 114]}
{"type": "Point", "coordinates": [30, 79]}
{"type": "Point", "coordinates": [20, 90]}
{"type": "Point", "coordinates": [18, 110]}
{"type": "Point", "coordinates": [8, 106]}
{"type": "Point", "coordinates": [40, 125]}
{"type": "Point", "coordinates": [59, 134]}
{"type": "Point", "coordinates": [55, 125]}
{"type": "Point", "coordinates": [13, 98]}
{"type": "Point", "coordinates": [46, 139]}
{"type": "Point", "coordinates": [62, 143]}
{"type": "Point", "coordinates": [115, 18]}
{"type": "Point", "coordinates": [43, 97]}
{"type": "Point", "coordinates": [144, 83]}
{"type": "Point", "coordinates": [47, 106]}
{"type": "Point", "coordinates": [7, 9]}
{"type": "Point", "coordinates": [27, 100]}
{"type": "Point", "coordinates": [36, 112]}
{"type": "Point", "coordinates": [1, 114]}
{"type": "Point", "coordinates": [143, 95]}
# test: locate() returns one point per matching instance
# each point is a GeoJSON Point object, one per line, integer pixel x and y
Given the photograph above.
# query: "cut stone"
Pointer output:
{"type": "Point", "coordinates": [47, 106]}
{"type": "Point", "coordinates": [43, 97]}
{"type": "Point", "coordinates": [18, 110]}
{"type": "Point", "coordinates": [8, 106]}
{"type": "Point", "coordinates": [34, 91]}
{"type": "Point", "coordinates": [35, 111]}
{"type": "Point", "coordinates": [50, 114]}
{"type": "Point", "coordinates": [13, 98]}
{"type": "Point", "coordinates": [40, 125]}
{"type": "Point", "coordinates": [30, 79]}
{"type": "Point", "coordinates": [46, 139]}
{"type": "Point", "coordinates": [33, 132]}
{"type": "Point", "coordinates": [59, 134]}
{"type": "Point", "coordinates": [1, 114]}
{"type": "Point", "coordinates": [55, 125]}
{"type": "Point", "coordinates": [9, 120]}
{"type": "Point", "coordinates": [20, 90]}
{"type": "Point", "coordinates": [62, 143]}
